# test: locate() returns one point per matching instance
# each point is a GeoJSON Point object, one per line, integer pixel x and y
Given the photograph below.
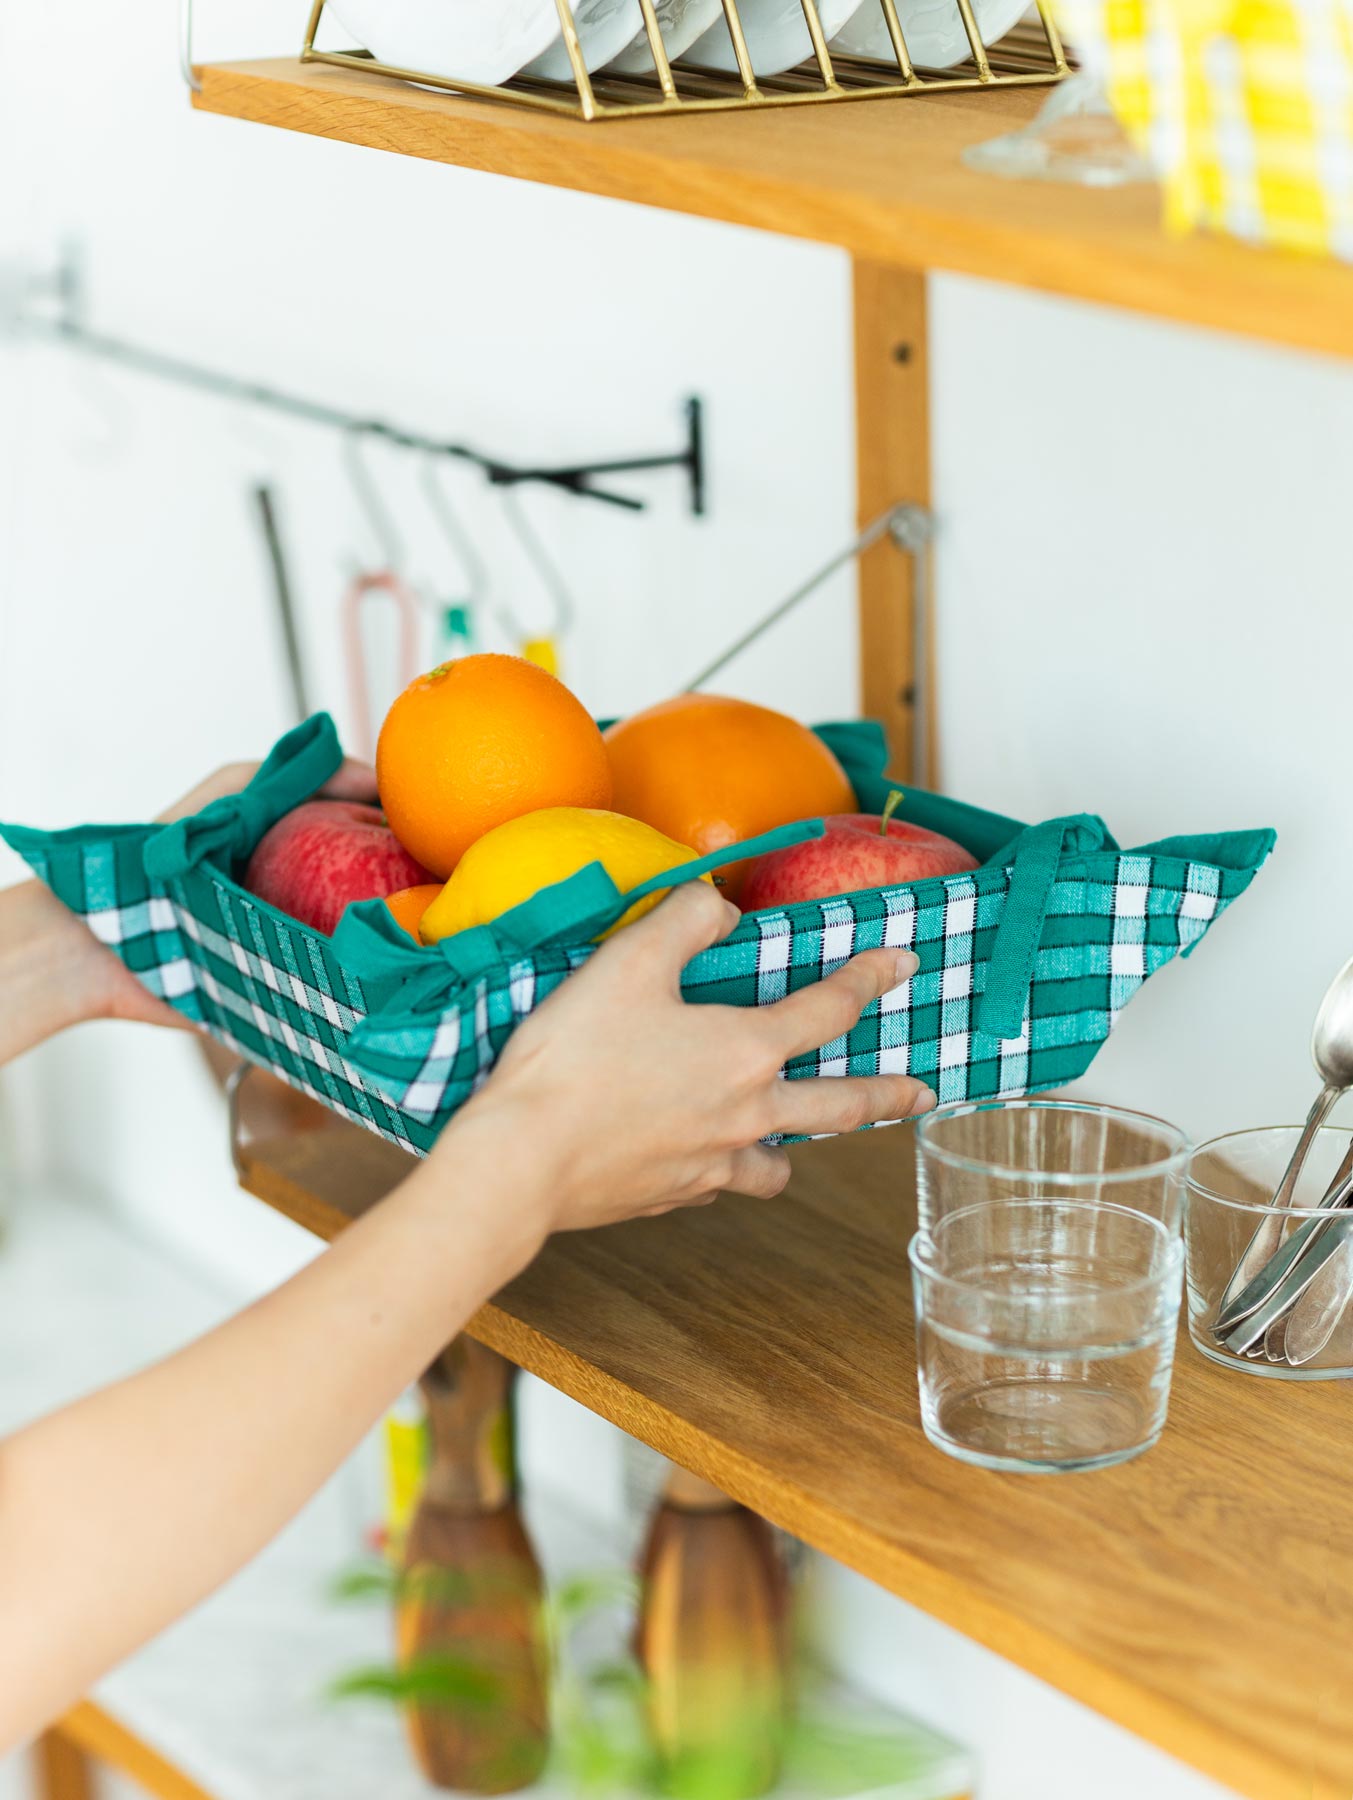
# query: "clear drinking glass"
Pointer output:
{"type": "Point", "coordinates": [1035, 1149]}
{"type": "Point", "coordinates": [1045, 1332]}
{"type": "Point", "coordinates": [1076, 138]}
{"type": "Point", "coordinates": [1230, 1188]}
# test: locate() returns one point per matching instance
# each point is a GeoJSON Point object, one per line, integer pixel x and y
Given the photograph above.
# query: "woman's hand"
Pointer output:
{"type": "Point", "coordinates": [353, 781]}
{"type": "Point", "coordinates": [55, 973]}
{"type": "Point", "coordinates": [618, 1098]}
{"type": "Point", "coordinates": [111, 990]}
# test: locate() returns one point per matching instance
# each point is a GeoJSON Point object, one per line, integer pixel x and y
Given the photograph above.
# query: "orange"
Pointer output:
{"type": "Point", "coordinates": [409, 905]}
{"type": "Point", "coordinates": [479, 741]}
{"type": "Point", "coordinates": [709, 772]}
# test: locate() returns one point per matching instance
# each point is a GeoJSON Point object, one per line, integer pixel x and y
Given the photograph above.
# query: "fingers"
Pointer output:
{"type": "Point", "coordinates": [810, 1107]}
{"type": "Point", "coordinates": [228, 780]}
{"type": "Point", "coordinates": [759, 1172]}
{"type": "Point", "coordinates": [827, 1009]}
{"type": "Point", "coordinates": [353, 781]}
{"type": "Point", "coordinates": [688, 921]}
{"type": "Point", "coordinates": [661, 1210]}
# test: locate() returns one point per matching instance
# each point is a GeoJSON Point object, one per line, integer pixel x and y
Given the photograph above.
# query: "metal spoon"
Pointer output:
{"type": "Point", "coordinates": [1332, 1054]}
{"type": "Point", "coordinates": [1289, 1269]}
{"type": "Point", "coordinates": [1313, 1320]}
{"type": "Point", "coordinates": [1311, 1255]}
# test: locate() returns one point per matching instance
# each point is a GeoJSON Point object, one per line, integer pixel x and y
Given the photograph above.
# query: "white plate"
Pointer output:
{"type": "Point", "coordinates": [776, 33]}
{"type": "Point", "coordinates": [484, 41]}
{"type": "Point", "coordinates": [933, 30]}
{"type": "Point", "coordinates": [604, 29]}
{"type": "Point", "coordinates": [682, 22]}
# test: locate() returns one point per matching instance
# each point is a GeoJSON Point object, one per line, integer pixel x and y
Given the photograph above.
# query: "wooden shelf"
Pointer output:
{"type": "Point", "coordinates": [1201, 1596]}
{"type": "Point", "coordinates": [882, 179]}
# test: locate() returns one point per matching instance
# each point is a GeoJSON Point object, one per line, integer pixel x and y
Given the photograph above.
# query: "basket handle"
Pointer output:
{"type": "Point", "coordinates": [1035, 858]}
{"type": "Point", "coordinates": [228, 829]}
{"type": "Point", "coordinates": [416, 978]}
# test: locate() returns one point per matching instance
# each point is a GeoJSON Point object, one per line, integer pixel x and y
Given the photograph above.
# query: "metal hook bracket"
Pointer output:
{"type": "Point", "coordinates": [234, 1081]}
{"type": "Point", "coordinates": [911, 529]}
{"type": "Point", "coordinates": [51, 304]}
{"type": "Point", "coordinates": [541, 561]}
{"type": "Point", "coordinates": [476, 573]}
{"type": "Point", "coordinates": [578, 478]}
{"type": "Point", "coordinates": [378, 515]}
{"type": "Point", "coordinates": [187, 68]}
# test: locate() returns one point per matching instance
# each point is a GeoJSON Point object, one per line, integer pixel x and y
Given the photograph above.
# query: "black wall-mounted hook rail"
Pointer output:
{"type": "Point", "coordinates": [65, 324]}
{"type": "Point", "coordinates": [578, 478]}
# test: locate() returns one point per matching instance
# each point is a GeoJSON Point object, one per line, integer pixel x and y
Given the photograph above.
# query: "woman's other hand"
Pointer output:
{"type": "Point", "coordinates": [618, 1098]}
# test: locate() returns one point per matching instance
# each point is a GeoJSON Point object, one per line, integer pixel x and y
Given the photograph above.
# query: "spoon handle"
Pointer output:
{"type": "Point", "coordinates": [1313, 1320]}
{"type": "Point", "coordinates": [1269, 1235]}
{"type": "Point", "coordinates": [1332, 1236]}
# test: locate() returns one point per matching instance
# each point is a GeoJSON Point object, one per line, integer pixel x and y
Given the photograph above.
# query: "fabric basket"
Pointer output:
{"type": "Point", "coordinates": [1245, 108]}
{"type": "Point", "coordinates": [1025, 963]}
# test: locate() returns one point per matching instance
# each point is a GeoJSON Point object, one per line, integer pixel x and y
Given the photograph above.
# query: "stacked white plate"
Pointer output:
{"type": "Point", "coordinates": [933, 30]}
{"type": "Point", "coordinates": [489, 41]}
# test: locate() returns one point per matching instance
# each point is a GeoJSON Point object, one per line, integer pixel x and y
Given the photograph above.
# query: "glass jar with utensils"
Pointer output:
{"type": "Point", "coordinates": [1270, 1285]}
{"type": "Point", "coordinates": [1047, 1273]}
{"type": "Point", "coordinates": [1270, 1230]}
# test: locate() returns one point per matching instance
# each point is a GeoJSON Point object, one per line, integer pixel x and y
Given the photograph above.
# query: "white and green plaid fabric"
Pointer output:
{"type": "Point", "coordinates": [1025, 963]}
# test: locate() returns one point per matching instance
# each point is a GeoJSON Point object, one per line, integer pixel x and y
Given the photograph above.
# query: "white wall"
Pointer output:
{"type": "Point", "coordinates": [1142, 572]}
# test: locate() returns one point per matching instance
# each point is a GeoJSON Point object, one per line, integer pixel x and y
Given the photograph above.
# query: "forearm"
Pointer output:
{"type": "Point", "coordinates": [44, 967]}
{"type": "Point", "coordinates": [122, 1511]}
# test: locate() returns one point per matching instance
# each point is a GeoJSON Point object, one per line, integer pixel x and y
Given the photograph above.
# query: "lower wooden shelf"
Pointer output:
{"type": "Point", "coordinates": [1201, 1596]}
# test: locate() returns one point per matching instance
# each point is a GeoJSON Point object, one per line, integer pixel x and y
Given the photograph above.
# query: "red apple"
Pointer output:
{"type": "Point", "coordinates": [324, 855]}
{"type": "Point", "coordinates": [857, 850]}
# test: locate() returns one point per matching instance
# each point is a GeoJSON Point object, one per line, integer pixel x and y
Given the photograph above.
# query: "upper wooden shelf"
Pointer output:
{"type": "Point", "coordinates": [1201, 1596]}
{"type": "Point", "coordinates": [881, 178]}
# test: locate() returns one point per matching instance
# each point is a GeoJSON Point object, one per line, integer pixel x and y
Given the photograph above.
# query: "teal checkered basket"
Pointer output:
{"type": "Point", "coordinates": [1025, 963]}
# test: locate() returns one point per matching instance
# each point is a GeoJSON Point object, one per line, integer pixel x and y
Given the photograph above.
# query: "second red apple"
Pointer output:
{"type": "Point", "coordinates": [857, 850]}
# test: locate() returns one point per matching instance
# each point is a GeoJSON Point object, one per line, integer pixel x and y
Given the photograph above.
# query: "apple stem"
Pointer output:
{"type": "Point", "coordinates": [895, 799]}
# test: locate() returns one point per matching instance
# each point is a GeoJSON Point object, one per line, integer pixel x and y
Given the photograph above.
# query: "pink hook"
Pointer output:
{"type": "Point", "coordinates": [405, 603]}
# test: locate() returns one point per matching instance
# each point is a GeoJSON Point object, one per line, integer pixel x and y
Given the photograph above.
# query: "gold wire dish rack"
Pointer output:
{"type": "Point", "coordinates": [1030, 55]}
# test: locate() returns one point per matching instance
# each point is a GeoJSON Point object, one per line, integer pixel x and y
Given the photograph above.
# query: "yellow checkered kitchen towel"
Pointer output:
{"type": "Point", "coordinates": [1245, 107]}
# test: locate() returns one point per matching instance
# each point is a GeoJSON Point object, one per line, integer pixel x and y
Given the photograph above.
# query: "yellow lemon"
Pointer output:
{"type": "Point", "coordinates": [515, 860]}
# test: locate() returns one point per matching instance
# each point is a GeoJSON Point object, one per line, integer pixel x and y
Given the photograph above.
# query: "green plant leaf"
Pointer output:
{"type": "Point", "coordinates": [581, 1595]}
{"type": "Point", "coordinates": [430, 1681]}
{"type": "Point", "coordinates": [833, 1754]}
{"type": "Point", "coordinates": [370, 1581]}
{"type": "Point", "coordinates": [625, 1678]}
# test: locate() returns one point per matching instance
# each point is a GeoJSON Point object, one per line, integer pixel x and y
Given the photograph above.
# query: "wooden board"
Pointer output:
{"type": "Point", "coordinates": [61, 1770]}
{"type": "Point", "coordinates": [88, 1736]}
{"type": "Point", "coordinates": [1201, 1596]}
{"type": "Point", "coordinates": [892, 458]}
{"type": "Point", "coordinates": [881, 178]}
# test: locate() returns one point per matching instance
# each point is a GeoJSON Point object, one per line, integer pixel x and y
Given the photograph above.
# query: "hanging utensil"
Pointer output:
{"type": "Point", "coordinates": [1332, 1054]}
{"type": "Point", "coordinates": [457, 620]}
{"type": "Point", "coordinates": [404, 604]}
{"type": "Point", "coordinates": [364, 586]}
{"type": "Point", "coordinates": [265, 501]}
{"type": "Point", "coordinates": [542, 647]}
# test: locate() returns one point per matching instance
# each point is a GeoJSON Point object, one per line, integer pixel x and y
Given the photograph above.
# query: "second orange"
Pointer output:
{"type": "Point", "coordinates": [710, 771]}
